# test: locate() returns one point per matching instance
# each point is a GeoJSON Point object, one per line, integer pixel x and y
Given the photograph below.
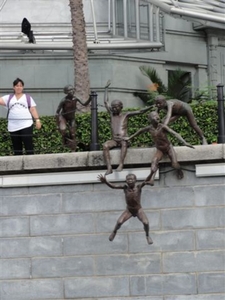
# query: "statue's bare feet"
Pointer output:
{"type": "Point", "coordinates": [149, 240]}
{"type": "Point", "coordinates": [119, 168]}
{"type": "Point", "coordinates": [151, 182]}
{"type": "Point", "coordinates": [180, 174]}
{"type": "Point", "coordinates": [111, 237]}
{"type": "Point", "coordinates": [109, 171]}
{"type": "Point", "coordinates": [204, 142]}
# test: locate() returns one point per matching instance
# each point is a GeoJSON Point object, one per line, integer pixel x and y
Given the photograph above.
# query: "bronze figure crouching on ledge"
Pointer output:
{"type": "Point", "coordinates": [175, 109]}
{"type": "Point", "coordinates": [119, 123]}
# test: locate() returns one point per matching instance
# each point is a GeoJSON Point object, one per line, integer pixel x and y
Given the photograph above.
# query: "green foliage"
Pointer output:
{"type": "Point", "coordinates": [48, 139]}
{"type": "Point", "coordinates": [207, 119]}
{"type": "Point", "coordinates": [5, 140]}
{"type": "Point", "coordinates": [179, 83]}
{"type": "Point", "coordinates": [204, 93]}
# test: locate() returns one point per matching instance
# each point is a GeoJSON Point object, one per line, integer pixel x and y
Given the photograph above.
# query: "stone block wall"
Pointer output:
{"type": "Point", "coordinates": [54, 238]}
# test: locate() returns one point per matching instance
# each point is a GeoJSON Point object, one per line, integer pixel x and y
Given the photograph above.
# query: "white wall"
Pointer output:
{"type": "Point", "coordinates": [48, 11]}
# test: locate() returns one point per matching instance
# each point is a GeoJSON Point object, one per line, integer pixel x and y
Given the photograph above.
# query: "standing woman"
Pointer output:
{"type": "Point", "coordinates": [20, 118]}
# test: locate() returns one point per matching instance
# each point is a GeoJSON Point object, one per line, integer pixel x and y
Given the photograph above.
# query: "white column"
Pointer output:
{"type": "Point", "coordinates": [125, 18]}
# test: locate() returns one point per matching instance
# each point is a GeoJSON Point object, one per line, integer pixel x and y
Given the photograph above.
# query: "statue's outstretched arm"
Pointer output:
{"type": "Point", "coordinates": [169, 113]}
{"type": "Point", "coordinates": [106, 97]}
{"type": "Point", "coordinates": [84, 103]}
{"type": "Point", "coordinates": [108, 84]}
{"type": "Point", "coordinates": [111, 185]}
{"type": "Point", "coordinates": [178, 136]}
{"type": "Point", "coordinates": [59, 108]}
{"type": "Point", "coordinates": [140, 131]}
{"type": "Point", "coordinates": [138, 112]}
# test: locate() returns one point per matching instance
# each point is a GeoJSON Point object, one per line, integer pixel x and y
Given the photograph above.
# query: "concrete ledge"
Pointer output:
{"type": "Point", "coordinates": [139, 157]}
{"type": "Point", "coordinates": [210, 170]}
{"type": "Point", "coordinates": [73, 177]}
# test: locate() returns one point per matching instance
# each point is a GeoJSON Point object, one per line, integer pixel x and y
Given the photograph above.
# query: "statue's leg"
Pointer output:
{"type": "Point", "coordinates": [106, 147]}
{"type": "Point", "coordinates": [194, 125]}
{"type": "Point", "coordinates": [62, 129]}
{"type": "Point", "coordinates": [122, 155]}
{"type": "Point", "coordinates": [148, 238]}
{"type": "Point", "coordinates": [72, 130]}
{"type": "Point", "coordinates": [154, 167]}
{"type": "Point", "coordinates": [143, 218]}
{"type": "Point", "coordinates": [173, 157]}
{"type": "Point", "coordinates": [123, 218]}
{"type": "Point", "coordinates": [63, 133]}
{"type": "Point", "coordinates": [113, 234]}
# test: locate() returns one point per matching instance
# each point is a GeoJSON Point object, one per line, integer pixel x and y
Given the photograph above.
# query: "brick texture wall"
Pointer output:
{"type": "Point", "coordinates": [54, 242]}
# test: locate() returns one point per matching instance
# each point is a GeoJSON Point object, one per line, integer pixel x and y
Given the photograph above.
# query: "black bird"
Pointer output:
{"type": "Point", "coordinates": [26, 29]}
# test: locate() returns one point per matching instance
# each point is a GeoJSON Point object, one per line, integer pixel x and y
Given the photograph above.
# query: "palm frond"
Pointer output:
{"type": "Point", "coordinates": [179, 85]}
{"type": "Point", "coordinates": [154, 77]}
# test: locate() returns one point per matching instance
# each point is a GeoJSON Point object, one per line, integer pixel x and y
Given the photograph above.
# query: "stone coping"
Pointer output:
{"type": "Point", "coordinates": [93, 160]}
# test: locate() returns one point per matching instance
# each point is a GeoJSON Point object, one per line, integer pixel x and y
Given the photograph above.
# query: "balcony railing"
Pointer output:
{"type": "Point", "coordinates": [131, 24]}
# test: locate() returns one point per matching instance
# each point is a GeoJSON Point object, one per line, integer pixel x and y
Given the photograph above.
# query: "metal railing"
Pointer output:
{"type": "Point", "coordinates": [138, 25]}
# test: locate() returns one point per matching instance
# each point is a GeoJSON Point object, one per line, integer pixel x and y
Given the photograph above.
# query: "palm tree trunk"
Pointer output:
{"type": "Point", "coordinates": [81, 70]}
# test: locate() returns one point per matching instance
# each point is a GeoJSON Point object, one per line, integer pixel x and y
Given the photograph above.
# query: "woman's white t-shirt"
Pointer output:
{"type": "Point", "coordinates": [19, 116]}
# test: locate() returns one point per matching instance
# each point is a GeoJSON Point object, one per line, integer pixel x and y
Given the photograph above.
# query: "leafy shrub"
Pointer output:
{"type": "Point", "coordinates": [48, 139]}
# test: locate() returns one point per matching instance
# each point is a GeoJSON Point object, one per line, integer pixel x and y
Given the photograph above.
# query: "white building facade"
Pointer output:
{"type": "Point", "coordinates": [122, 35]}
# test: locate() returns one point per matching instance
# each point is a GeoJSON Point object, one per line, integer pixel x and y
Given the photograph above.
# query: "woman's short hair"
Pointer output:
{"type": "Point", "coordinates": [17, 80]}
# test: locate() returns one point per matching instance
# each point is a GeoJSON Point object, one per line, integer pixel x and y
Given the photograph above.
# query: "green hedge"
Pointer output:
{"type": "Point", "coordinates": [48, 139]}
